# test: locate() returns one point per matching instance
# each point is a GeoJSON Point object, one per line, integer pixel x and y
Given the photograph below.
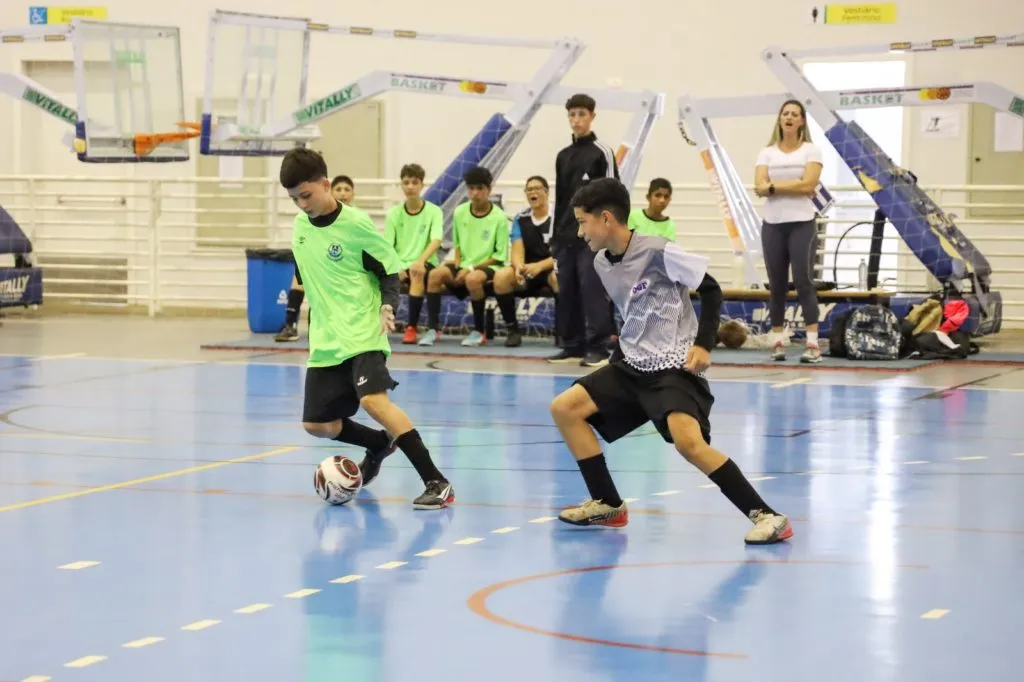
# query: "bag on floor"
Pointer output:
{"type": "Point", "coordinates": [873, 333]}
{"type": "Point", "coordinates": [837, 334]}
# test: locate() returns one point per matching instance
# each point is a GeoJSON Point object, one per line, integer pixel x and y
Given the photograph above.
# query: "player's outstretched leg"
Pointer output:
{"type": "Point", "coordinates": [570, 411]}
{"type": "Point", "coordinates": [377, 442]}
{"type": "Point", "coordinates": [439, 492]}
{"type": "Point", "coordinates": [769, 526]}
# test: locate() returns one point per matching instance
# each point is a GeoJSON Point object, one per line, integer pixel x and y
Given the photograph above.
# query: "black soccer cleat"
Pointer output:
{"type": "Point", "coordinates": [370, 466]}
{"type": "Point", "coordinates": [438, 495]}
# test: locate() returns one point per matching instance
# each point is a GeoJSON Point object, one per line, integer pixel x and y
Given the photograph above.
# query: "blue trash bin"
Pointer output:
{"type": "Point", "coordinates": [270, 277]}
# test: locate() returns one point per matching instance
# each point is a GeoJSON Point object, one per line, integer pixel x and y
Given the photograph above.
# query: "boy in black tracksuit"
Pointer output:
{"type": "Point", "coordinates": [585, 315]}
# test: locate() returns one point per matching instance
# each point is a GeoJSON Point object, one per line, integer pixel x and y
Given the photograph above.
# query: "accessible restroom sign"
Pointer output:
{"type": "Point", "coordinates": [42, 16]}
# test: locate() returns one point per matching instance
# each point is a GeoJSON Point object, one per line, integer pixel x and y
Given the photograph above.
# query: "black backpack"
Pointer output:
{"type": "Point", "coordinates": [837, 334]}
{"type": "Point", "coordinates": [872, 333]}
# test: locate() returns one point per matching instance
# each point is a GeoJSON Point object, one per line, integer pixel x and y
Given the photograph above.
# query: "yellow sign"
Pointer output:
{"type": "Point", "coordinates": [851, 15]}
{"type": "Point", "coordinates": [64, 15]}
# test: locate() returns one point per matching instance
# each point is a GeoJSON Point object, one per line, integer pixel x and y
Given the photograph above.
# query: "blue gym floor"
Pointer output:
{"type": "Point", "coordinates": [158, 522]}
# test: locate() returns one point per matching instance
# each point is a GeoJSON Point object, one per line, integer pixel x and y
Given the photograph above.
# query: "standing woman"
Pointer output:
{"type": "Point", "coordinates": [786, 176]}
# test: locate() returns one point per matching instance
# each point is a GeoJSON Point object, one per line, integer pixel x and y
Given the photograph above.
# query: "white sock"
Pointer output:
{"type": "Point", "coordinates": [812, 338]}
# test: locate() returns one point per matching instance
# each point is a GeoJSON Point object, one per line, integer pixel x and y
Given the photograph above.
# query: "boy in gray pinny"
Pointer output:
{"type": "Point", "coordinates": [657, 372]}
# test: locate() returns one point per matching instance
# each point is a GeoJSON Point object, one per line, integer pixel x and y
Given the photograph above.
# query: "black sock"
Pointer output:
{"type": "Point", "coordinates": [415, 305]}
{"type": "Point", "coordinates": [507, 306]}
{"type": "Point", "coordinates": [291, 313]}
{"type": "Point", "coordinates": [599, 480]}
{"type": "Point", "coordinates": [737, 489]}
{"type": "Point", "coordinates": [433, 311]}
{"type": "Point", "coordinates": [412, 445]}
{"type": "Point", "coordinates": [478, 314]}
{"type": "Point", "coordinates": [356, 434]}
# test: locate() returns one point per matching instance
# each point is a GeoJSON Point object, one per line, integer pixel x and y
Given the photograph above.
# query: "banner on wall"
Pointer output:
{"type": "Point", "coordinates": [42, 16]}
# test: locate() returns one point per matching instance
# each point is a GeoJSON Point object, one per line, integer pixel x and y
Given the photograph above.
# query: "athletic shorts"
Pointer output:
{"type": "Point", "coordinates": [461, 292]}
{"type": "Point", "coordinates": [429, 267]}
{"type": "Point", "coordinates": [627, 399]}
{"type": "Point", "coordinates": [333, 393]}
{"type": "Point", "coordinates": [533, 287]}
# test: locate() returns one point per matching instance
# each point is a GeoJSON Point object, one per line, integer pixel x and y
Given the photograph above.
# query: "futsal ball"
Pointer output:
{"type": "Point", "coordinates": [337, 480]}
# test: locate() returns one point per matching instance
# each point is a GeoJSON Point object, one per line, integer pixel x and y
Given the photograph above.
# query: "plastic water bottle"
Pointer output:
{"type": "Point", "coordinates": [862, 275]}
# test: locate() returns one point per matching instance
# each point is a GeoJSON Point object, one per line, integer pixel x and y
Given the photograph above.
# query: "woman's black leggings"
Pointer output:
{"type": "Point", "coordinates": [785, 244]}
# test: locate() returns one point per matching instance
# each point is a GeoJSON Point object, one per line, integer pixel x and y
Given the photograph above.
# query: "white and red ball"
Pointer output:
{"type": "Point", "coordinates": [337, 479]}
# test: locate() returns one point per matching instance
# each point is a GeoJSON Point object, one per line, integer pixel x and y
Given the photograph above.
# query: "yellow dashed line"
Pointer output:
{"type": "Point", "coordinates": [84, 661]}
{"type": "Point", "coordinates": [301, 594]}
{"type": "Point", "coordinates": [252, 608]}
{"type": "Point", "coordinates": [139, 643]}
{"type": "Point", "coordinates": [432, 552]}
{"type": "Point", "coordinates": [347, 579]}
{"type": "Point", "coordinates": [199, 625]}
{"type": "Point", "coordinates": [392, 564]}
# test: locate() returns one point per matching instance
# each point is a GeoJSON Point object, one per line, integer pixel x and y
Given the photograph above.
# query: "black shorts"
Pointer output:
{"type": "Point", "coordinates": [461, 292]}
{"type": "Point", "coordinates": [333, 393]}
{"type": "Point", "coordinates": [627, 399]}
{"type": "Point", "coordinates": [405, 284]}
{"type": "Point", "coordinates": [534, 287]}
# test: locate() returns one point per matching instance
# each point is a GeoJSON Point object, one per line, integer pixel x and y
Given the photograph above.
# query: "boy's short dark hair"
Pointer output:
{"type": "Point", "coordinates": [660, 183]}
{"type": "Point", "coordinates": [603, 194]}
{"type": "Point", "coordinates": [581, 101]}
{"type": "Point", "coordinates": [478, 176]}
{"type": "Point", "coordinates": [539, 178]}
{"type": "Point", "coordinates": [339, 179]}
{"type": "Point", "coordinates": [412, 170]}
{"type": "Point", "coordinates": [301, 165]}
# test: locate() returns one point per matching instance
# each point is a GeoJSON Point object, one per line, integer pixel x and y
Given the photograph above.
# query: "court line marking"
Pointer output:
{"type": "Point", "coordinates": [37, 678]}
{"type": "Point", "coordinates": [200, 625]}
{"type": "Point", "coordinates": [468, 541]}
{"type": "Point", "coordinates": [543, 519]}
{"type": "Point", "coordinates": [761, 478]}
{"type": "Point", "coordinates": [665, 493]}
{"type": "Point", "coordinates": [918, 461]}
{"type": "Point", "coordinates": [84, 661]}
{"type": "Point", "coordinates": [148, 479]}
{"type": "Point", "coordinates": [252, 608]}
{"type": "Point", "coordinates": [1017, 454]}
{"type": "Point", "coordinates": [347, 579]}
{"type": "Point", "coordinates": [970, 459]}
{"type": "Point", "coordinates": [793, 382]}
{"type": "Point", "coordinates": [301, 594]}
{"type": "Point", "coordinates": [431, 552]}
{"type": "Point", "coordinates": [390, 565]}
{"type": "Point", "coordinates": [139, 643]}
{"type": "Point", "coordinates": [506, 529]}
{"type": "Point", "coordinates": [934, 614]}
{"type": "Point", "coordinates": [78, 565]}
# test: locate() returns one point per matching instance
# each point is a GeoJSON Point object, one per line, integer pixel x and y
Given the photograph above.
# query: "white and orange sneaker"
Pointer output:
{"type": "Point", "coordinates": [768, 529]}
{"type": "Point", "coordinates": [596, 513]}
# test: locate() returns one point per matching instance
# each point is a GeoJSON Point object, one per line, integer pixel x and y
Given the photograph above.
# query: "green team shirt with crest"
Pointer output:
{"type": "Point", "coordinates": [344, 296]}
{"type": "Point", "coordinates": [410, 234]}
{"type": "Point", "coordinates": [479, 239]}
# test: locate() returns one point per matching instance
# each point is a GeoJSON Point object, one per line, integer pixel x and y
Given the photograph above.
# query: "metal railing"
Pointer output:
{"type": "Point", "coordinates": [159, 245]}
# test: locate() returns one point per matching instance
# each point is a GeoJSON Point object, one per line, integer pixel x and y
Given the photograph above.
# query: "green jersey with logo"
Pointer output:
{"type": "Point", "coordinates": [336, 264]}
{"type": "Point", "coordinates": [410, 234]}
{"type": "Point", "coordinates": [479, 239]}
{"type": "Point", "coordinates": [656, 227]}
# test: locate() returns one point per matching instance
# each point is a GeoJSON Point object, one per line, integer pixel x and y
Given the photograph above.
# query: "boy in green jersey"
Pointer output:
{"type": "Point", "coordinates": [415, 228]}
{"type": "Point", "coordinates": [350, 275]}
{"type": "Point", "coordinates": [652, 220]}
{"type": "Point", "coordinates": [480, 235]}
{"type": "Point", "coordinates": [344, 190]}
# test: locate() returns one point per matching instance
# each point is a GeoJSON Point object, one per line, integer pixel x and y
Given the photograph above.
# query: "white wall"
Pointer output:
{"type": "Point", "coordinates": [708, 48]}
{"type": "Point", "coordinates": [711, 49]}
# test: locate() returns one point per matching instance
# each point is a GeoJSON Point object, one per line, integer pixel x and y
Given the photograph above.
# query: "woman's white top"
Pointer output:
{"type": "Point", "coordinates": [784, 166]}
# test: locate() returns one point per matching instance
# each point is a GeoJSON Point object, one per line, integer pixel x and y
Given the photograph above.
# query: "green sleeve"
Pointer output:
{"type": "Point", "coordinates": [391, 228]}
{"type": "Point", "coordinates": [437, 224]}
{"type": "Point", "coordinates": [501, 239]}
{"type": "Point", "coordinates": [376, 245]}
